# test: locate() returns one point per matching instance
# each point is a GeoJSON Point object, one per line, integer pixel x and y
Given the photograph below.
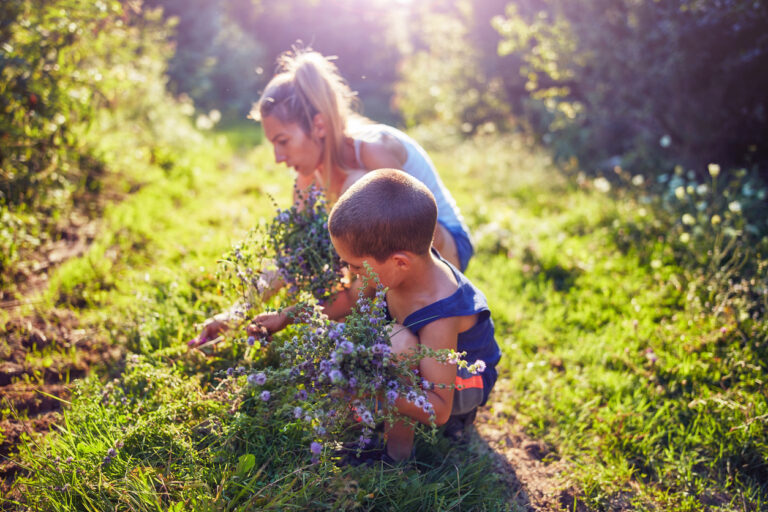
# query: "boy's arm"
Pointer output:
{"type": "Point", "coordinates": [437, 335]}
{"type": "Point", "coordinates": [337, 307]}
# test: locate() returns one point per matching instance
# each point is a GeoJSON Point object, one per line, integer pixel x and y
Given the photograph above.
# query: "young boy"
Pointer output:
{"type": "Point", "coordinates": [387, 219]}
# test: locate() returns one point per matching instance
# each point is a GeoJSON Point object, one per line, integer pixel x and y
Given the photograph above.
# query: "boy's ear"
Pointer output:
{"type": "Point", "coordinates": [401, 260]}
{"type": "Point", "coordinates": [318, 126]}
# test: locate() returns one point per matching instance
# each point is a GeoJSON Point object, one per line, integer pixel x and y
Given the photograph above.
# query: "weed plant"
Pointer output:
{"type": "Point", "coordinates": [635, 352]}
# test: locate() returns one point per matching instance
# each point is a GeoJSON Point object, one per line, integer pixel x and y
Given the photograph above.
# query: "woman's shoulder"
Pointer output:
{"type": "Point", "coordinates": [352, 176]}
{"type": "Point", "coordinates": [382, 149]}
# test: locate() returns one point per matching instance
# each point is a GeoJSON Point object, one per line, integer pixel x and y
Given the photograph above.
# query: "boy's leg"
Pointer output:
{"type": "Point", "coordinates": [402, 339]}
{"type": "Point", "coordinates": [399, 440]}
{"type": "Point", "coordinates": [400, 435]}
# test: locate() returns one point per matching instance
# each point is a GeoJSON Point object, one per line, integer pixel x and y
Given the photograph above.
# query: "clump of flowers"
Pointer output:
{"type": "Point", "coordinates": [337, 378]}
{"type": "Point", "coordinates": [294, 246]}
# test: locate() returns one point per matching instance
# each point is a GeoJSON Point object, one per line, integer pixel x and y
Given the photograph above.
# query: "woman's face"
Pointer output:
{"type": "Point", "coordinates": [292, 146]}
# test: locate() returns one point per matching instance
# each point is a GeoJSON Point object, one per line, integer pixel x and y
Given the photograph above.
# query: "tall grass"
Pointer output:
{"type": "Point", "coordinates": [628, 348]}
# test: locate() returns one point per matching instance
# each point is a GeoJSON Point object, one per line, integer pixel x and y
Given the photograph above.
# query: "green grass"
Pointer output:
{"type": "Point", "coordinates": [633, 361]}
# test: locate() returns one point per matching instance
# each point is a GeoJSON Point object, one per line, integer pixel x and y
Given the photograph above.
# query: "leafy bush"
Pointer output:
{"type": "Point", "coordinates": [655, 83]}
{"type": "Point", "coordinates": [69, 70]}
{"type": "Point", "coordinates": [450, 77]}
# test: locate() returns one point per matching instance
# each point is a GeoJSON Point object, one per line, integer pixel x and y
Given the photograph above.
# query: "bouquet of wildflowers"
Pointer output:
{"type": "Point", "coordinates": [295, 246]}
{"type": "Point", "coordinates": [335, 378]}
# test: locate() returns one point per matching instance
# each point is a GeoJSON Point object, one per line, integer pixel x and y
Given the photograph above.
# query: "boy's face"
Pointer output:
{"type": "Point", "coordinates": [385, 271]}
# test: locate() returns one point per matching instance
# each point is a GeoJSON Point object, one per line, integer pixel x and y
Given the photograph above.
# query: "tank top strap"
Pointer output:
{"type": "Point", "coordinates": [466, 300]}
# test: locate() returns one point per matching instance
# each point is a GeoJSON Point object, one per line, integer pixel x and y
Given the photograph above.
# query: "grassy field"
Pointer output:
{"type": "Point", "coordinates": [634, 344]}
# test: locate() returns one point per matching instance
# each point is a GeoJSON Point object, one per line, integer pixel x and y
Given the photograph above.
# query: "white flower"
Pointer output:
{"type": "Point", "coordinates": [714, 170]}
{"type": "Point", "coordinates": [689, 219]}
{"type": "Point", "coordinates": [602, 185]}
{"type": "Point", "coordinates": [685, 238]}
{"type": "Point", "coordinates": [680, 192]}
{"type": "Point", "coordinates": [203, 122]}
{"type": "Point", "coordinates": [716, 220]}
{"type": "Point", "coordinates": [638, 179]}
{"type": "Point", "coordinates": [665, 141]}
{"type": "Point", "coordinates": [702, 189]}
{"type": "Point", "coordinates": [734, 206]}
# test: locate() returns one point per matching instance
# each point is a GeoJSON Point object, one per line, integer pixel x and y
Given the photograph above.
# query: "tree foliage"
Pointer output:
{"type": "Point", "coordinates": [65, 68]}
{"type": "Point", "coordinates": [681, 81]}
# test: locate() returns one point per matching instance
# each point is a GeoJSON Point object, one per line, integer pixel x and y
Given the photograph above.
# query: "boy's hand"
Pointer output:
{"type": "Point", "coordinates": [272, 321]}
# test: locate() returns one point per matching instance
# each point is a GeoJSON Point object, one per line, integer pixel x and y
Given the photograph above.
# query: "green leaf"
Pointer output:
{"type": "Point", "coordinates": [245, 464]}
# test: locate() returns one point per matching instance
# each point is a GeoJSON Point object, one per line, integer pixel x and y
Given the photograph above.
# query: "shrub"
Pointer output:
{"type": "Point", "coordinates": [651, 82]}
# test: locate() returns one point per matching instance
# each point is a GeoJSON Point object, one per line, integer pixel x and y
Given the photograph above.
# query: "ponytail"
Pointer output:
{"type": "Point", "coordinates": [308, 84]}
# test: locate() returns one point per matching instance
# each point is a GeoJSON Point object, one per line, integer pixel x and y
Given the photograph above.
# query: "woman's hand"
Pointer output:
{"type": "Point", "coordinates": [273, 321]}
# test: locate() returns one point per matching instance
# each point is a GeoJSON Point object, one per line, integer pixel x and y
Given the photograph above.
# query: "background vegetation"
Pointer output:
{"type": "Point", "coordinates": [622, 244]}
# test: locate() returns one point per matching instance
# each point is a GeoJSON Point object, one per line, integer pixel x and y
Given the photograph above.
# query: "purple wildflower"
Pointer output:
{"type": "Point", "coordinates": [479, 366]}
{"type": "Point", "coordinates": [336, 376]}
{"type": "Point", "coordinates": [367, 417]}
{"type": "Point", "coordinates": [381, 349]}
{"type": "Point", "coordinates": [352, 382]}
{"type": "Point", "coordinates": [391, 396]}
{"type": "Point", "coordinates": [251, 340]}
{"type": "Point", "coordinates": [257, 379]}
{"type": "Point", "coordinates": [297, 412]}
{"type": "Point", "coordinates": [265, 396]}
{"type": "Point", "coordinates": [347, 347]}
{"type": "Point", "coordinates": [316, 448]}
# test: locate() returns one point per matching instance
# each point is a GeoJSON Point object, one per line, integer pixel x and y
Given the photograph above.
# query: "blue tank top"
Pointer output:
{"type": "Point", "coordinates": [478, 341]}
{"type": "Point", "coordinates": [420, 166]}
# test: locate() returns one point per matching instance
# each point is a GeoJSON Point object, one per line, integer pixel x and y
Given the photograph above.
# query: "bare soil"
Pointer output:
{"type": "Point", "coordinates": [536, 477]}
{"type": "Point", "coordinates": [42, 352]}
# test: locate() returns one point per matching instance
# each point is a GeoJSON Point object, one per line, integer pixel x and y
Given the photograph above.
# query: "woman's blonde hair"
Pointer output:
{"type": "Point", "coordinates": [307, 84]}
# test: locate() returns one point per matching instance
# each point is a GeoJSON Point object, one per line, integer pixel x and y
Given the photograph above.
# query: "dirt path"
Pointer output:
{"type": "Point", "coordinates": [42, 352]}
{"type": "Point", "coordinates": [536, 477]}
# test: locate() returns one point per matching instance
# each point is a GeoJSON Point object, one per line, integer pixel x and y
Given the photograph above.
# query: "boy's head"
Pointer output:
{"type": "Point", "coordinates": [385, 212]}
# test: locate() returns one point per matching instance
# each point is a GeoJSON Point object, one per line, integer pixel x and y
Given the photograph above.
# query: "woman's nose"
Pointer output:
{"type": "Point", "coordinates": [279, 156]}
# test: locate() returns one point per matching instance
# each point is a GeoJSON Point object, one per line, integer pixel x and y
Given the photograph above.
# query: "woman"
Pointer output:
{"type": "Point", "coordinates": [307, 112]}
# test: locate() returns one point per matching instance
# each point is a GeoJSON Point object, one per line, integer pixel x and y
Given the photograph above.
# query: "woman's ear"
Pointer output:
{"type": "Point", "coordinates": [318, 126]}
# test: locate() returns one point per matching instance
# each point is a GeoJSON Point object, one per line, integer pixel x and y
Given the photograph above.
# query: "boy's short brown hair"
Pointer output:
{"type": "Point", "coordinates": [384, 212]}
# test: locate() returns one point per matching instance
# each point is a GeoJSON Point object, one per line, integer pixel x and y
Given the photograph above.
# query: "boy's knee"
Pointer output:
{"type": "Point", "coordinates": [403, 340]}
